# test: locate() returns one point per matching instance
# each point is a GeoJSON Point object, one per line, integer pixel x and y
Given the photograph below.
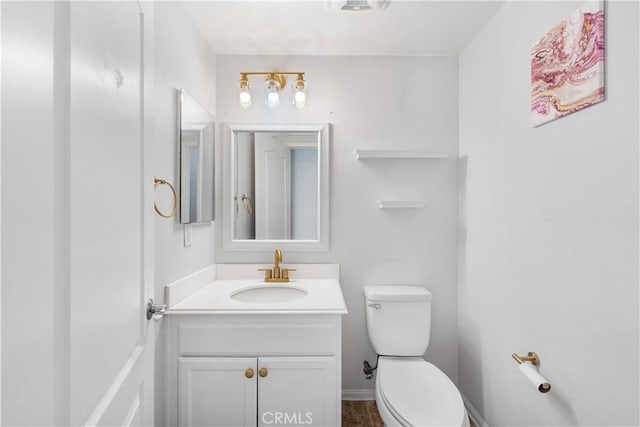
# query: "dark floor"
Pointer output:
{"type": "Point", "coordinates": [363, 413]}
{"type": "Point", "coordinates": [360, 413]}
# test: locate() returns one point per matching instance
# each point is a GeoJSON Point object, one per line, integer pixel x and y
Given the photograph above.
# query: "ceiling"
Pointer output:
{"type": "Point", "coordinates": [319, 28]}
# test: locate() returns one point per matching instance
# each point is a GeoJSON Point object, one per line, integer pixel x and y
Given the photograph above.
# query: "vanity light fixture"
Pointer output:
{"type": "Point", "coordinates": [274, 84]}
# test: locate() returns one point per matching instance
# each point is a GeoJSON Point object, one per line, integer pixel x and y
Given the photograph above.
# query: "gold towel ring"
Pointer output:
{"type": "Point", "coordinates": [159, 181]}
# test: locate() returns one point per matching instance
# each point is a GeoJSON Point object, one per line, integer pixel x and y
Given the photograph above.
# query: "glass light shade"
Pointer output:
{"type": "Point", "coordinates": [273, 84]}
{"type": "Point", "coordinates": [273, 98]}
{"type": "Point", "coordinates": [299, 92]}
{"type": "Point", "coordinates": [244, 94]}
{"type": "Point", "coordinates": [300, 98]}
{"type": "Point", "coordinates": [245, 98]}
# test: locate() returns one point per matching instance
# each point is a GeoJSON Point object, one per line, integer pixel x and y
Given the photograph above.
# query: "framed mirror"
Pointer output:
{"type": "Point", "coordinates": [277, 187]}
{"type": "Point", "coordinates": [196, 145]}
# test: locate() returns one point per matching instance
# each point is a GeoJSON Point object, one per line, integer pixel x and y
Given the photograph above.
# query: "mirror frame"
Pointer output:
{"type": "Point", "coordinates": [229, 171]}
{"type": "Point", "coordinates": [180, 94]}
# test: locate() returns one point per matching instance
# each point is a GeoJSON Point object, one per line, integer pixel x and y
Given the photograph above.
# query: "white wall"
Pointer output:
{"type": "Point", "coordinates": [373, 102]}
{"type": "Point", "coordinates": [182, 60]}
{"type": "Point", "coordinates": [549, 230]}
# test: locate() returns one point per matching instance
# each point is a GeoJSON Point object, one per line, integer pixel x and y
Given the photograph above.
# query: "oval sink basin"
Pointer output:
{"type": "Point", "coordinates": [268, 294]}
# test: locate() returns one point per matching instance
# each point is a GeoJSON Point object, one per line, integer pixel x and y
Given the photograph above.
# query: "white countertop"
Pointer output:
{"type": "Point", "coordinates": [324, 297]}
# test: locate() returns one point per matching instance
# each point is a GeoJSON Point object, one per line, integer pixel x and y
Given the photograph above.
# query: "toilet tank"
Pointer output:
{"type": "Point", "coordinates": [398, 319]}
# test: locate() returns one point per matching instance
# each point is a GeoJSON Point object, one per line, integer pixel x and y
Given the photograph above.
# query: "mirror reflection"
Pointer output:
{"type": "Point", "coordinates": [276, 185]}
{"type": "Point", "coordinates": [196, 161]}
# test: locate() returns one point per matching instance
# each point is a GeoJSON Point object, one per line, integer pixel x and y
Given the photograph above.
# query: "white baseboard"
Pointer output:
{"type": "Point", "coordinates": [473, 413]}
{"type": "Point", "coordinates": [359, 394]}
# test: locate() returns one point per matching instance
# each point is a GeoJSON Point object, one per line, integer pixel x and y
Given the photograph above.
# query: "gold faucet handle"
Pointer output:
{"type": "Point", "coordinates": [267, 273]}
{"type": "Point", "coordinates": [285, 272]}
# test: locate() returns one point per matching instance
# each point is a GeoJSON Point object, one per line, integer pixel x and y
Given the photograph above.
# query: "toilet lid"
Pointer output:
{"type": "Point", "coordinates": [417, 393]}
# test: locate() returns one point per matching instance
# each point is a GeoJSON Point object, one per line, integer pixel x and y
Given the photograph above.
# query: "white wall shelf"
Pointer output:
{"type": "Point", "coordinates": [400, 204]}
{"type": "Point", "coordinates": [397, 154]}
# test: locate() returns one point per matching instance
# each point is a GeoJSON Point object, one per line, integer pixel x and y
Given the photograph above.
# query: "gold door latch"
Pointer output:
{"type": "Point", "coordinates": [248, 373]}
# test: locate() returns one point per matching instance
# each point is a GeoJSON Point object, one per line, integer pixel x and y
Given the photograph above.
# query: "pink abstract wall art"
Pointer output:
{"type": "Point", "coordinates": [567, 65]}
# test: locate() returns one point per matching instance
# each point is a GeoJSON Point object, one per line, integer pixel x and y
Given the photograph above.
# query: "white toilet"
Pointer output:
{"type": "Point", "coordinates": [409, 390]}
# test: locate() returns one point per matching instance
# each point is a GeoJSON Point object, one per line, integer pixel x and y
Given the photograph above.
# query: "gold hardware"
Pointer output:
{"type": "Point", "coordinates": [276, 274]}
{"type": "Point", "coordinates": [244, 81]}
{"type": "Point", "coordinates": [263, 372]}
{"type": "Point", "coordinates": [267, 273]}
{"type": "Point", "coordinates": [273, 79]}
{"type": "Point", "coordinates": [530, 357]}
{"type": "Point", "coordinates": [157, 182]}
{"type": "Point", "coordinates": [276, 264]}
{"type": "Point", "coordinates": [275, 75]}
{"type": "Point", "coordinates": [285, 273]}
{"type": "Point", "coordinates": [278, 280]}
{"type": "Point", "coordinates": [248, 373]}
{"type": "Point", "coordinates": [278, 78]}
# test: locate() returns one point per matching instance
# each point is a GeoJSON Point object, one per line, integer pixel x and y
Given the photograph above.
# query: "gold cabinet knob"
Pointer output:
{"type": "Point", "coordinates": [263, 372]}
{"type": "Point", "coordinates": [248, 373]}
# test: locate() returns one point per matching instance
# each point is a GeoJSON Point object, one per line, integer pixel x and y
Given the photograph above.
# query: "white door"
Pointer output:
{"type": "Point", "coordinates": [273, 188]}
{"type": "Point", "coordinates": [217, 391]}
{"type": "Point", "coordinates": [110, 339]}
{"type": "Point", "coordinates": [297, 391]}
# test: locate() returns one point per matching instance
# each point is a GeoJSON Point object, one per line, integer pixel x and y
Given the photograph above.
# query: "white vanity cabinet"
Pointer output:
{"type": "Point", "coordinates": [253, 369]}
{"type": "Point", "coordinates": [304, 388]}
{"type": "Point", "coordinates": [217, 388]}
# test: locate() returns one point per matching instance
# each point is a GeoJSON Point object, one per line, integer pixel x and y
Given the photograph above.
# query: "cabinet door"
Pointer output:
{"type": "Point", "coordinates": [215, 391]}
{"type": "Point", "coordinates": [297, 391]}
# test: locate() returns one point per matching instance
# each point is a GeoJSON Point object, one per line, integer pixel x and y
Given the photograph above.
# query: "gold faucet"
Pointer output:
{"type": "Point", "coordinates": [276, 263]}
{"type": "Point", "coordinates": [277, 274]}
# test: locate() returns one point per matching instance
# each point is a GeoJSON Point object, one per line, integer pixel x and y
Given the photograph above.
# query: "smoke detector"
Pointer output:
{"type": "Point", "coordinates": [357, 5]}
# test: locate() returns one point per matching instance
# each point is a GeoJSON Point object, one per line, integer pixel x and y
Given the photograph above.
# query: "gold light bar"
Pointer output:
{"type": "Point", "coordinates": [275, 82]}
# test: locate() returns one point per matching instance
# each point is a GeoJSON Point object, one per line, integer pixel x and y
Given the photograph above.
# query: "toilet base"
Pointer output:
{"type": "Point", "coordinates": [390, 420]}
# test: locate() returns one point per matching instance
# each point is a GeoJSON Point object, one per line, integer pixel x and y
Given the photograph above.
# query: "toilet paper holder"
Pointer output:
{"type": "Point", "coordinates": [526, 364]}
{"type": "Point", "coordinates": [531, 357]}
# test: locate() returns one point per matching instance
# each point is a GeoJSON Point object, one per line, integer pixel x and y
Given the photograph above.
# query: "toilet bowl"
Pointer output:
{"type": "Point", "coordinates": [409, 390]}
{"type": "Point", "coordinates": [413, 392]}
